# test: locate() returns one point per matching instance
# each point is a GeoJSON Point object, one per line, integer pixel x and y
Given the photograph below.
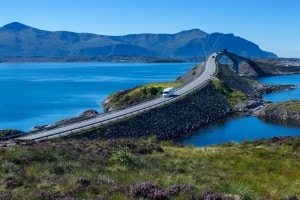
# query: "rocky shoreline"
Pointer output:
{"type": "Point", "coordinates": [287, 113]}
{"type": "Point", "coordinates": [257, 105]}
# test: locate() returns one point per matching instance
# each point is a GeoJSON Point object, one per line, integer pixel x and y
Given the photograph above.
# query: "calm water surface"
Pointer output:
{"type": "Point", "coordinates": [237, 129]}
{"type": "Point", "coordinates": [284, 95]}
{"type": "Point", "coordinates": [34, 94]}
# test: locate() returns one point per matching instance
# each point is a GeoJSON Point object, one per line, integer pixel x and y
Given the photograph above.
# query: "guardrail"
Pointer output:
{"type": "Point", "coordinates": [105, 121]}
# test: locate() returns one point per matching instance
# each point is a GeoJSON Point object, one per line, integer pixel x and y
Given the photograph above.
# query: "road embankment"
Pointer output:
{"type": "Point", "coordinates": [181, 117]}
{"type": "Point", "coordinates": [169, 121]}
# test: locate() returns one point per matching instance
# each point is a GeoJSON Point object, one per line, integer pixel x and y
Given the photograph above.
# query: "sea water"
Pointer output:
{"type": "Point", "coordinates": [33, 94]}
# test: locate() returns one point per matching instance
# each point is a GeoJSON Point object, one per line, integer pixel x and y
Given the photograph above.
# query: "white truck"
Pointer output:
{"type": "Point", "coordinates": [168, 92]}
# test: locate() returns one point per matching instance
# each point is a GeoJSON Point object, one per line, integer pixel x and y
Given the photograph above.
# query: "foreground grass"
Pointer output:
{"type": "Point", "coordinates": [148, 169]}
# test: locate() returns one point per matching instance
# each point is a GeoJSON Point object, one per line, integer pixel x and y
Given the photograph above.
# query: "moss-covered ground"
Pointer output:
{"type": "Point", "coordinates": [150, 169]}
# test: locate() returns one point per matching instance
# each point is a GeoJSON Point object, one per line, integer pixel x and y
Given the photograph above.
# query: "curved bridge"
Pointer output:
{"type": "Point", "coordinates": [236, 59]}
{"type": "Point", "coordinates": [203, 79]}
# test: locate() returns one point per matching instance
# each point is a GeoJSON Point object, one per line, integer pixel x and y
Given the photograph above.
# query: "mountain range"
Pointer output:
{"type": "Point", "coordinates": [19, 40]}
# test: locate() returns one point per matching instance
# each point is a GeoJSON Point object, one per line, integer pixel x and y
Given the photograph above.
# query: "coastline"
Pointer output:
{"type": "Point", "coordinates": [252, 107]}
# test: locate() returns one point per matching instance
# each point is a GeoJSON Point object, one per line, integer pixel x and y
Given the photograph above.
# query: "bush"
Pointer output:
{"type": "Point", "coordinates": [237, 189]}
{"type": "Point", "coordinates": [12, 183]}
{"type": "Point", "coordinates": [83, 181]}
{"type": "Point", "coordinates": [152, 191]}
{"type": "Point", "coordinates": [147, 190]}
{"type": "Point", "coordinates": [123, 156]}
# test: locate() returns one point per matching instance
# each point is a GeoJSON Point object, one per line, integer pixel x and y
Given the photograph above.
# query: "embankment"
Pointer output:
{"type": "Point", "coordinates": [175, 119]}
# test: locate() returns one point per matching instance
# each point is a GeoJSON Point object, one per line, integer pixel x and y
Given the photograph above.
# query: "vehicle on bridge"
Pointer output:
{"type": "Point", "coordinates": [168, 92]}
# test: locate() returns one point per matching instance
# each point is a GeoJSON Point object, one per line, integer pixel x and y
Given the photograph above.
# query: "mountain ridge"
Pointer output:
{"type": "Point", "coordinates": [17, 39]}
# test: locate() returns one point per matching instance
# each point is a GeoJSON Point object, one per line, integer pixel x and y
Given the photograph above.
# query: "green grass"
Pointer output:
{"type": "Point", "coordinates": [139, 94]}
{"type": "Point", "coordinates": [232, 96]}
{"type": "Point", "coordinates": [129, 168]}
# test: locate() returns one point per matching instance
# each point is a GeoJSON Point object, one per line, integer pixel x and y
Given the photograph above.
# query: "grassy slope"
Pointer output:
{"type": "Point", "coordinates": [125, 168]}
{"type": "Point", "coordinates": [144, 92]}
{"type": "Point", "coordinates": [139, 94]}
{"type": "Point", "coordinates": [232, 96]}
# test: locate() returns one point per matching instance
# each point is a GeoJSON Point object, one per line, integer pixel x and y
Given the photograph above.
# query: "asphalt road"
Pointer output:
{"type": "Point", "coordinates": [208, 72]}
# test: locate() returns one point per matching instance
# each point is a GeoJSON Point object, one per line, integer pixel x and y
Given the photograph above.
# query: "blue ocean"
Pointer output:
{"type": "Point", "coordinates": [34, 94]}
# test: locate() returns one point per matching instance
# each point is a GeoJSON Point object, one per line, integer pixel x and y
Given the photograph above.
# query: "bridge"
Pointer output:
{"type": "Point", "coordinates": [202, 80]}
{"type": "Point", "coordinates": [236, 59]}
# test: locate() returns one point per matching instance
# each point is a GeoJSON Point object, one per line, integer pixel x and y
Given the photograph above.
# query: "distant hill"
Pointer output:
{"type": "Point", "coordinates": [17, 39]}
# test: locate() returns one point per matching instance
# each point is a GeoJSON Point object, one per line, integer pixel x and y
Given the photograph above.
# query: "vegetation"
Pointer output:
{"type": "Point", "coordinates": [139, 94]}
{"type": "Point", "coordinates": [9, 133]}
{"type": "Point", "coordinates": [233, 96]}
{"type": "Point", "coordinates": [292, 105]}
{"type": "Point", "coordinates": [149, 169]}
{"type": "Point", "coordinates": [2, 133]}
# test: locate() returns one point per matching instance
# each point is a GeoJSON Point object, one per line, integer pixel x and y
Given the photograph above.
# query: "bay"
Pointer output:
{"type": "Point", "coordinates": [281, 80]}
{"type": "Point", "coordinates": [246, 128]}
{"type": "Point", "coordinates": [237, 129]}
{"type": "Point", "coordinates": [33, 94]}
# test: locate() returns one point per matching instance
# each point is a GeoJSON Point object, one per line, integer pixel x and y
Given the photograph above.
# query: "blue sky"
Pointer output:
{"type": "Point", "coordinates": [272, 24]}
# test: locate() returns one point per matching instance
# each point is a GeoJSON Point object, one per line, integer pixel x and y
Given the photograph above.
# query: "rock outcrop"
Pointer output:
{"type": "Point", "coordinates": [250, 107]}
{"type": "Point", "coordinates": [284, 113]}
